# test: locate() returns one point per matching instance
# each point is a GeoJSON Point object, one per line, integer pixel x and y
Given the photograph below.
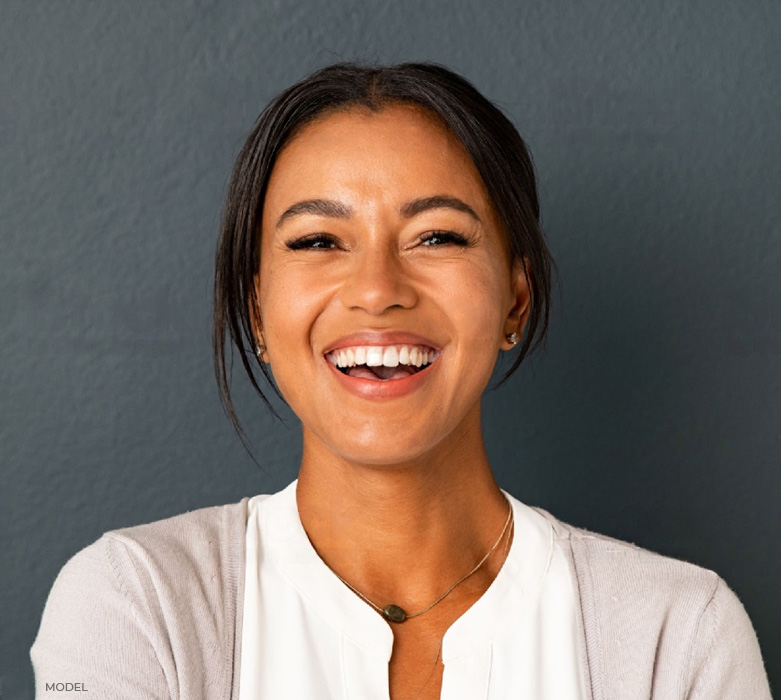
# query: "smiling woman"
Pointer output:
{"type": "Point", "coordinates": [408, 244]}
{"type": "Point", "coordinates": [380, 247]}
{"type": "Point", "coordinates": [433, 122]}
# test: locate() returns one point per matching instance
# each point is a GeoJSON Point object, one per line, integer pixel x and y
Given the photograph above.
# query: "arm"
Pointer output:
{"type": "Point", "coordinates": [726, 663]}
{"type": "Point", "coordinates": [95, 632]}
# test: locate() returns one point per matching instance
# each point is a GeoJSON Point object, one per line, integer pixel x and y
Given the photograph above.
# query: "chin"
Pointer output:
{"type": "Point", "coordinates": [381, 452]}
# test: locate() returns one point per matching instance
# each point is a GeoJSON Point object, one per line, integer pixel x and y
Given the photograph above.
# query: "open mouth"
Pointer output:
{"type": "Point", "coordinates": [381, 373]}
{"type": "Point", "coordinates": [382, 364]}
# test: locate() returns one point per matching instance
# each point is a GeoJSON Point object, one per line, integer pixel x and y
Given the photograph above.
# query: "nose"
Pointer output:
{"type": "Point", "coordinates": [378, 280]}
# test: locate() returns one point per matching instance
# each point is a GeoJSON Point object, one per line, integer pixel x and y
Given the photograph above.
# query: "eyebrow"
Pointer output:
{"type": "Point", "coordinates": [336, 210]}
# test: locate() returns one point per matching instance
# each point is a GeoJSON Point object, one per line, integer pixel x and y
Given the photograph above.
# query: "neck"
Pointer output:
{"type": "Point", "coordinates": [404, 533]}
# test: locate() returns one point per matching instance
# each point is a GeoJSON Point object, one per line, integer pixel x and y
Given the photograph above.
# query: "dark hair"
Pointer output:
{"type": "Point", "coordinates": [489, 137]}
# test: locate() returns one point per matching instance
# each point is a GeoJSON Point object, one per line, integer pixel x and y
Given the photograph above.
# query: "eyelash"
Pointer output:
{"type": "Point", "coordinates": [307, 242]}
{"type": "Point", "coordinates": [448, 236]}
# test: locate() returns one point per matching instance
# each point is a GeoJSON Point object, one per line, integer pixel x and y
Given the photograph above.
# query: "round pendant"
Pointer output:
{"type": "Point", "coordinates": [394, 613]}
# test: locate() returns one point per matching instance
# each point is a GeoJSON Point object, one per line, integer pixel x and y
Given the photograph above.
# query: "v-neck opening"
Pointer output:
{"type": "Point", "coordinates": [307, 628]}
{"type": "Point", "coordinates": [520, 575]}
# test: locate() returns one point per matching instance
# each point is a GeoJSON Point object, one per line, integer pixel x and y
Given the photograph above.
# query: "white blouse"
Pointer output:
{"type": "Point", "coordinates": [306, 635]}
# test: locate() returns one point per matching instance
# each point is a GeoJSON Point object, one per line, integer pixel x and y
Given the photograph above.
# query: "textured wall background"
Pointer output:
{"type": "Point", "coordinates": [654, 415]}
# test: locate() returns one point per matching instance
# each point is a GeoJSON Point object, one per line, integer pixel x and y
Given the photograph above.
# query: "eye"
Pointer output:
{"type": "Point", "coordinates": [438, 238]}
{"type": "Point", "coordinates": [317, 241]}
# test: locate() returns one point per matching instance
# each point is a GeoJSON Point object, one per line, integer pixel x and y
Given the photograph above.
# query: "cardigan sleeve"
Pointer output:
{"type": "Point", "coordinates": [95, 632]}
{"type": "Point", "coordinates": [726, 663]}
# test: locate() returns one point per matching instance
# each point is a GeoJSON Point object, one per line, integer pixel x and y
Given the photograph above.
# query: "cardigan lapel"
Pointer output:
{"type": "Point", "coordinates": [237, 559]}
{"type": "Point", "coordinates": [588, 630]}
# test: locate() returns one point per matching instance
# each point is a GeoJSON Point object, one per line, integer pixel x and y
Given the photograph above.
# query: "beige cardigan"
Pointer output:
{"type": "Point", "coordinates": [154, 611]}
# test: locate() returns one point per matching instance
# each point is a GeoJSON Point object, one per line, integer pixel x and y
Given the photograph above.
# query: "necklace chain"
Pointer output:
{"type": "Point", "coordinates": [395, 613]}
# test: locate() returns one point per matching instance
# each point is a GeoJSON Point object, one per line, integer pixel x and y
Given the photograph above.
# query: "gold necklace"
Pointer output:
{"type": "Point", "coordinates": [395, 613]}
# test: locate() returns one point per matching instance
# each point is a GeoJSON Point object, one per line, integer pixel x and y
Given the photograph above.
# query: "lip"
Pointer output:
{"type": "Point", "coordinates": [391, 389]}
{"type": "Point", "coordinates": [381, 338]}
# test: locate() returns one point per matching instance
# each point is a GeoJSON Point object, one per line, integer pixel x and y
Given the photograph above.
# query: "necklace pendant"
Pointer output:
{"type": "Point", "coordinates": [394, 613]}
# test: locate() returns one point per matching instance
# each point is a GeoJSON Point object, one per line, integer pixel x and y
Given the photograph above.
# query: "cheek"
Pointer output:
{"type": "Point", "coordinates": [285, 298]}
{"type": "Point", "coordinates": [291, 303]}
{"type": "Point", "coordinates": [476, 305]}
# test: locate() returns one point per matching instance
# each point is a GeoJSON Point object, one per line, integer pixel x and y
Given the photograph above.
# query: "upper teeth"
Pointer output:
{"type": "Point", "coordinates": [388, 355]}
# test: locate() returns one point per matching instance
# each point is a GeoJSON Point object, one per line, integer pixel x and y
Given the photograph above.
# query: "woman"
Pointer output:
{"type": "Point", "coordinates": [380, 247]}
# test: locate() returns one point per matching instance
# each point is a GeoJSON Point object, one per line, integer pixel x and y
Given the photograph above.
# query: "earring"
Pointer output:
{"type": "Point", "coordinates": [512, 338]}
{"type": "Point", "coordinates": [259, 350]}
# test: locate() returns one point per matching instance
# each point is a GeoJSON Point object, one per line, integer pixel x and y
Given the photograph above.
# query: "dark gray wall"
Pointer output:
{"type": "Point", "coordinates": [654, 414]}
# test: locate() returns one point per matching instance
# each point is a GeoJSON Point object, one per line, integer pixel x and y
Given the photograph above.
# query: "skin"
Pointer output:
{"type": "Point", "coordinates": [397, 496]}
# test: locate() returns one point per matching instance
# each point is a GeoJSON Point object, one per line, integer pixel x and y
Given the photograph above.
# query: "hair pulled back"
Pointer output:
{"type": "Point", "coordinates": [490, 139]}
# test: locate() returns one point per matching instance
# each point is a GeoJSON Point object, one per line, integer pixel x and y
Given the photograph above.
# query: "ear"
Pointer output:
{"type": "Point", "coordinates": [521, 284]}
{"type": "Point", "coordinates": [257, 326]}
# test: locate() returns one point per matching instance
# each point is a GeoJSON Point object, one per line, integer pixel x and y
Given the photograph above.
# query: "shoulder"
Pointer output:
{"type": "Point", "coordinates": [678, 620]}
{"type": "Point", "coordinates": [146, 602]}
{"type": "Point", "coordinates": [616, 566]}
{"type": "Point", "coordinates": [208, 538]}
{"type": "Point", "coordinates": [200, 538]}
{"type": "Point", "coordinates": [185, 568]}
{"type": "Point", "coordinates": [197, 552]}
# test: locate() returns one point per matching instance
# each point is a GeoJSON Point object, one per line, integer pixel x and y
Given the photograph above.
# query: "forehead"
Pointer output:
{"type": "Point", "coordinates": [398, 153]}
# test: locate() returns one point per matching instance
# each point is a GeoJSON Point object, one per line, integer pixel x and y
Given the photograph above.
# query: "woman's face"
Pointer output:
{"type": "Point", "coordinates": [379, 223]}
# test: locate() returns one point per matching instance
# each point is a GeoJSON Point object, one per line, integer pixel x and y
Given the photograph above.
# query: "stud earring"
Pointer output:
{"type": "Point", "coordinates": [512, 338]}
{"type": "Point", "coordinates": [259, 350]}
